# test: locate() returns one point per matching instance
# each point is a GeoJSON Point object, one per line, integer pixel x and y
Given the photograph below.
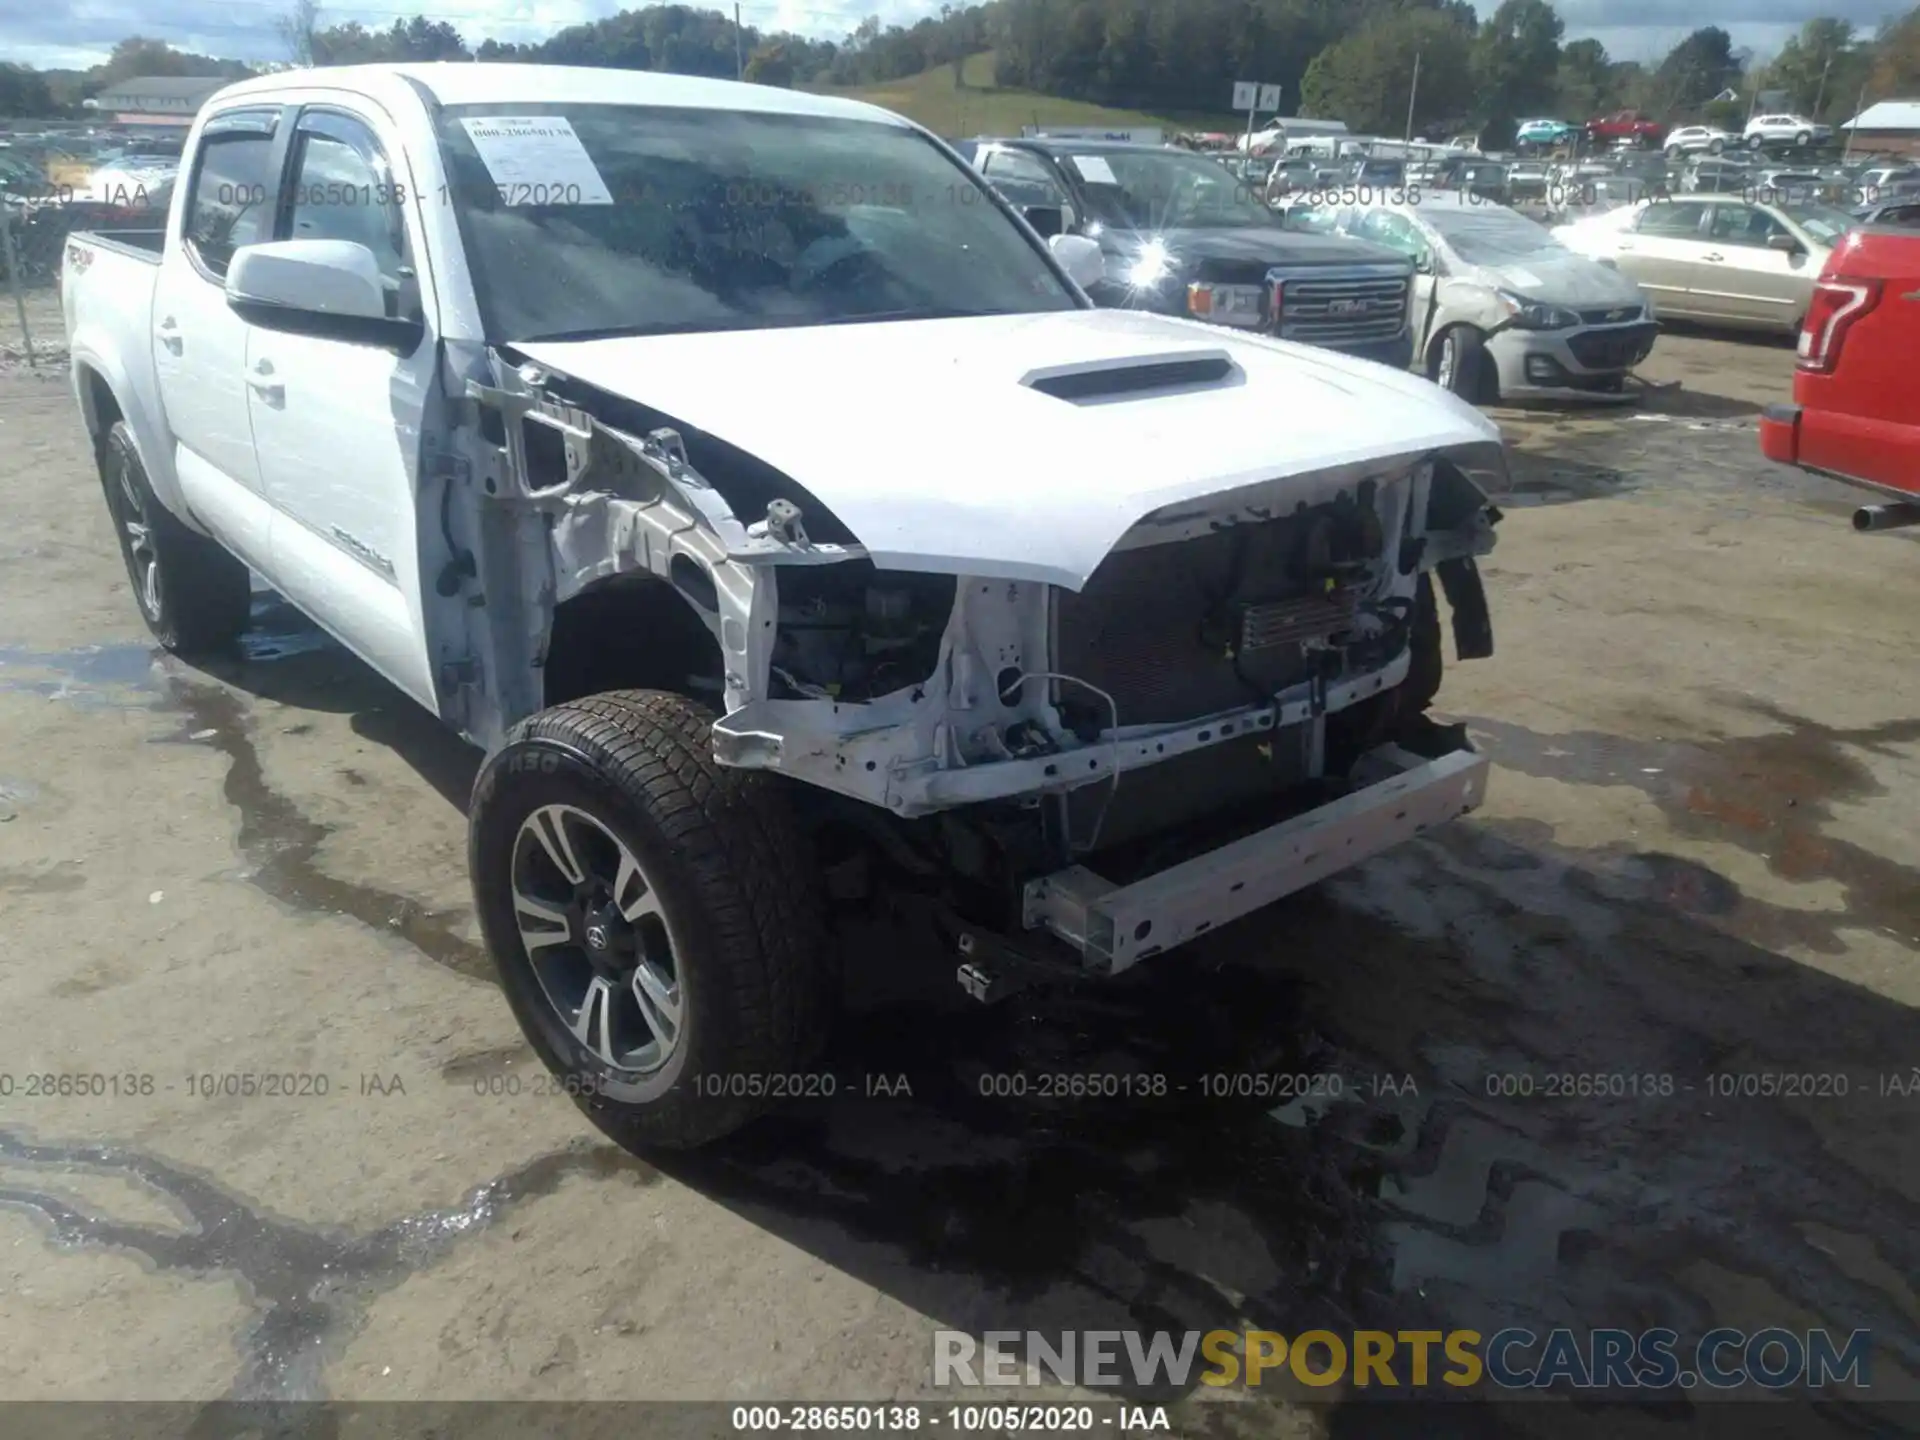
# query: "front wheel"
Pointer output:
{"type": "Point", "coordinates": [1460, 362]}
{"type": "Point", "coordinates": [656, 923]}
{"type": "Point", "coordinates": [1673, 152]}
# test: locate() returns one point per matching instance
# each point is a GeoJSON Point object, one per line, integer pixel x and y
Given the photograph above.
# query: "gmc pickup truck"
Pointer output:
{"type": "Point", "coordinates": [1180, 234]}
{"type": "Point", "coordinates": [769, 502]}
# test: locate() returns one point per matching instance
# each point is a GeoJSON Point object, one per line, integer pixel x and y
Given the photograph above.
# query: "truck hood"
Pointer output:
{"type": "Point", "coordinates": [928, 440]}
{"type": "Point", "coordinates": [1262, 244]}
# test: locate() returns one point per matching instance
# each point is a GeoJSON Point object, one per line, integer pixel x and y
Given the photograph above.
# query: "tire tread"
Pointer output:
{"type": "Point", "coordinates": [749, 862]}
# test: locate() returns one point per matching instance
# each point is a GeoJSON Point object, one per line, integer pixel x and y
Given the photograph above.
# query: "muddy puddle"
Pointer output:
{"type": "Point", "coordinates": [1771, 794]}
{"type": "Point", "coordinates": [307, 1287]}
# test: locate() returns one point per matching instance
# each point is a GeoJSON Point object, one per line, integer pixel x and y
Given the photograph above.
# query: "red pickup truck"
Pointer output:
{"type": "Point", "coordinates": [1855, 414]}
{"type": "Point", "coordinates": [1625, 125]}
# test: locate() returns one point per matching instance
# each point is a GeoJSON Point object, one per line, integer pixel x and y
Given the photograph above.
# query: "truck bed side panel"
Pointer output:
{"type": "Point", "coordinates": [106, 288]}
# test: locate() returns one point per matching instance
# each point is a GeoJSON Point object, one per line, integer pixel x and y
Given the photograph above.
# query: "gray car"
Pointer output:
{"type": "Point", "coordinates": [1503, 311]}
{"type": "Point", "coordinates": [1729, 259]}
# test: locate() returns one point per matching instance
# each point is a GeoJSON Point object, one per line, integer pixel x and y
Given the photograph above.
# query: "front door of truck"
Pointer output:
{"type": "Point", "coordinates": [199, 344]}
{"type": "Point", "coordinates": [337, 422]}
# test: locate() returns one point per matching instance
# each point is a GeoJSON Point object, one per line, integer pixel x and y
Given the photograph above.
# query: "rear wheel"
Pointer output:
{"type": "Point", "coordinates": [1714, 147]}
{"type": "Point", "coordinates": [193, 595]}
{"type": "Point", "coordinates": [656, 923]}
{"type": "Point", "coordinates": [1673, 152]}
{"type": "Point", "coordinates": [1805, 137]}
{"type": "Point", "coordinates": [1754, 142]}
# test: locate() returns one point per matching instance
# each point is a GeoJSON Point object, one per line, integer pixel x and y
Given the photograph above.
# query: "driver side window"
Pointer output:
{"type": "Point", "coordinates": [344, 190]}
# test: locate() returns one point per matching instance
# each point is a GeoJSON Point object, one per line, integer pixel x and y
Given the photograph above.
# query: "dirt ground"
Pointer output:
{"type": "Point", "coordinates": [1698, 859]}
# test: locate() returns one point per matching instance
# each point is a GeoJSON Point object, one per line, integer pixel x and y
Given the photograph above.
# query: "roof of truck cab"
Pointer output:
{"type": "Point", "coordinates": [479, 83]}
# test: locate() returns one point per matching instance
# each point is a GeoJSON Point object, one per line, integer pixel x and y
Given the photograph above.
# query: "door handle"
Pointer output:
{"type": "Point", "coordinates": [170, 335]}
{"type": "Point", "coordinates": [1713, 255]}
{"type": "Point", "coordinates": [269, 390]}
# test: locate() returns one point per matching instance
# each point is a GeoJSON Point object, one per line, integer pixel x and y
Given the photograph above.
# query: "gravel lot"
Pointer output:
{"type": "Point", "coordinates": [1698, 858]}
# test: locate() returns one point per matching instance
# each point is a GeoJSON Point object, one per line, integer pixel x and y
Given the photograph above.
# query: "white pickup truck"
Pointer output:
{"type": "Point", "coordinates": [771, 504]}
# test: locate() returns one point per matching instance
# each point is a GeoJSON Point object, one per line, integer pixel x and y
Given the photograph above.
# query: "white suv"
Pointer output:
{"type": "Point", "coordinates": [1774, 129]}
{"type": "Point", "coordinates": [1691, 139]}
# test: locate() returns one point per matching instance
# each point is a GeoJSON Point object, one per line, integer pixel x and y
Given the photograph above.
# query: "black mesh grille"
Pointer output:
{"type": "Point", "coordinates": [1613, 349]}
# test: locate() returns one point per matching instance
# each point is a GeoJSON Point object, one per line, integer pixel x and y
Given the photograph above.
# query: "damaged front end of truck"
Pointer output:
{"type": "Point", "coordinates": [1228, 707]}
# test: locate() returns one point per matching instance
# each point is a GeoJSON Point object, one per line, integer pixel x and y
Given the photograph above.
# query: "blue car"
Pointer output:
{"type": "Point", "coordinates": [1543, 132]}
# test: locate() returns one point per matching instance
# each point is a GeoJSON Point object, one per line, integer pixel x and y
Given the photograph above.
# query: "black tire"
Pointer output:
{"type": "Point", "coordinates": [1805, 137]}
{"type": "Point", "coordinates": [1754, 142]}
{"type": "Point", "coordinates": [1673, 152]}
{"type": "Point", "coordinates": [192, 593]}
{"type": "Point", "coordinates": [731, 869]}
{"type": "Point", "coordinates": [1716, 147]}
{"type": "Point", "coordinates": [1460, 356]}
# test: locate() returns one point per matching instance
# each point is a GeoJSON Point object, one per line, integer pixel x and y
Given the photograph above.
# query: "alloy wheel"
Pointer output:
{"type": "Point", "coordinates": [136, 530]}
{"type": "Point", "coordinates": [598, 939]}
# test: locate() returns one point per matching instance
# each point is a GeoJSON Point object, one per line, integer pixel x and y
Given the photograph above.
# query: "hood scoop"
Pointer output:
{"type": "Point", "coordinates": [1136, 376]}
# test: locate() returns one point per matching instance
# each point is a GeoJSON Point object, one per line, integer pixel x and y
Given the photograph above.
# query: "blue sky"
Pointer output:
{"type": "Point", "coordinates": [79, 32]}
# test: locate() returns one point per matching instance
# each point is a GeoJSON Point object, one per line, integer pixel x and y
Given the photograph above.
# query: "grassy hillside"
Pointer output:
{"type": "Point", "coordinates": [979, 107]}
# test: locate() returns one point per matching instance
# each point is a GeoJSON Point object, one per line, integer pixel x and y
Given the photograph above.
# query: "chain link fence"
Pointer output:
{"type": "Point", "coordinates": [39, 238]}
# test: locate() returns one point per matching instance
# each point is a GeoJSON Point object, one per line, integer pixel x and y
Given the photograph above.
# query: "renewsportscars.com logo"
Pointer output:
{"type": "Point", "coordinates": [1511, 1359]}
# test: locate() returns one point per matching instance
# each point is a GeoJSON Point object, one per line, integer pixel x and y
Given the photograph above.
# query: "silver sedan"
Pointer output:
{"type": "Point", "coordinates": [1729, 259]}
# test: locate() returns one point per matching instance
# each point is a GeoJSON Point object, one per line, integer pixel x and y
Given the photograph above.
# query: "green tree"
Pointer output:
{"type": "Point", "coordinates": [1695, 70]}
{"type": "Point", "coordinates": [1896, 57]}
{"type": "Point", "coordinates": [24, 91]}
{"type": "Point", "coordinates": [1586, 81]}
{"type": "Point", "coordinates": [771, 64]}
{"type": "Point", "coordinates": [1821, 68]}
{"type": "Point", "coordinates": [1516, 59]}
{"type": "Point", "coordinates": [1366, 78]}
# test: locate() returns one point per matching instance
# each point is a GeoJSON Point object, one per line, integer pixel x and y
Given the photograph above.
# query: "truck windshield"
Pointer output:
{"type": "Point", "coordinates": [1165, 190]}
{"type": "Point", "coordinates": [596, 220]}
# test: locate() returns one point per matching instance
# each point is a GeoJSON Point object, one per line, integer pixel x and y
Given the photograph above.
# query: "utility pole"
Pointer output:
{"type": "Point", "coordinates": [1822, 95]}
{"type": "Point", "coordinates": [739, 55]}
{"type": "Point", "coordinates": [1413, 94]}
{"type": "Point", "coordinates": [1859, 109]}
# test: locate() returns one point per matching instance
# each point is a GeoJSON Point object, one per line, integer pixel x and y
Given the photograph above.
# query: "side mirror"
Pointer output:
{"type": "Point", "coordinates": [1784, 243]}
{"type": "Point", "coordinates": [1047, 220]}
{"type": "Point", "coordinates": [1080, 258]}
{"type": "Point", "coordinates": [328, 288]}
{"type": "Point", "coordinates": [1423, 263]}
